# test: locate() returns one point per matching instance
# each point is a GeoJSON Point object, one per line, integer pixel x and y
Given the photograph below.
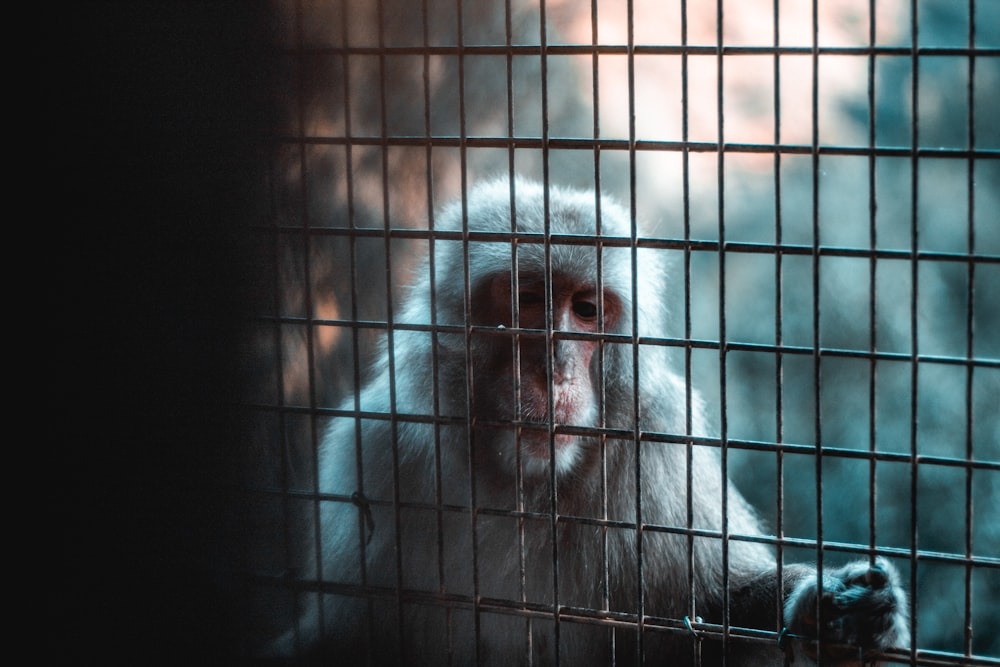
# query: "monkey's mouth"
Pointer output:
{"type": "Point", "coordinates": [535, 442]}
{"type": "Point", "coordinates": [540, 455]}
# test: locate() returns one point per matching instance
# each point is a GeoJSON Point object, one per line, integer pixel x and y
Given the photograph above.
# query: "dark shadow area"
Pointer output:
{"type": "Point", "coordinates": [154, 114]}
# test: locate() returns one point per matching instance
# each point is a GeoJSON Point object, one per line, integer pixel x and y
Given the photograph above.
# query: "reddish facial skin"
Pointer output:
{"type": "Point", "coordinates": [575, 309]}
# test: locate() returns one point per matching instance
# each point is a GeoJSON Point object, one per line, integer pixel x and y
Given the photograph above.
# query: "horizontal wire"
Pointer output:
{"type": "Point", "coordinates": [535, 50]}
{"type": "Point", "coordinates": [534, 142]}
{"type": "Point", "coordinates": [644, 242]}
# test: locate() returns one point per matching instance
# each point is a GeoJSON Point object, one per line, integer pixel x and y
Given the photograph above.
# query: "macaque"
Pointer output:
{"type": "Point", "coordinates": [496, 499]}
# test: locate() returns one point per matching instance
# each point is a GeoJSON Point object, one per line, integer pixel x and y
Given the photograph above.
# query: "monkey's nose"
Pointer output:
{"type": "Point", "coordinates": [560, 352]}
{"type": "Point", "coordinates": [561, 373]}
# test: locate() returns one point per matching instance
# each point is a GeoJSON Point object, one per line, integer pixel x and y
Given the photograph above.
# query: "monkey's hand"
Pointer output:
{"type": "Point", "coordinates": [861, 606]}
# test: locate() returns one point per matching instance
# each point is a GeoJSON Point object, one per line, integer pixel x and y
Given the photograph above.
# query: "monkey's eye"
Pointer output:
{"type": "Point", "coordinates": [585, 309]}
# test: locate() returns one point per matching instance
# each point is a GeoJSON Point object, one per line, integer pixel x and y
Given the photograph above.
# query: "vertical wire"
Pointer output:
{"type": "Point", "coordinates": [549, 328]}
{"type": "Point", "coordinates": [467, 323]}
{"type": "Point", "coordinates": [516, 338]}
{"type": "Point", "coordinates": [636, 381]}
{"type": "Point", "coordinates": [914, 277]}
{"type": "Point", "coordinates": [355, 346]}
{"type": "Point", "coordinates": [390, 324]}
{"type": "Point", "coordinates": [779, 425]}
{"type": "Point", "coordinates": [309, 314]}
{"type": "Point", "coordinates": [723, 347]}
{"type": "Point", "coordinates": [817, 358]}
{"type": "Point", "coordinates": [601, 347]}
{"type": "Point", "coordinates": [435, 371]}
{"type": "Point", "coordinates": [872, 287]}
{"type": "Point", "coordinates": [688, 382]}
{"type": "Point", "coordinates": [970, 328]}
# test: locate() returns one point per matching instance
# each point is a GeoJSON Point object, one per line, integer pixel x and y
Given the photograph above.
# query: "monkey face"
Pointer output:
{"type": "Point", "coordinates": [539, 371]}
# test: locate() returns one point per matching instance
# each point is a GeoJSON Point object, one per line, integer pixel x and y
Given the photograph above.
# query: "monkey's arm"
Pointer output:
{"type": "Point", "coordinates": [860, 606]}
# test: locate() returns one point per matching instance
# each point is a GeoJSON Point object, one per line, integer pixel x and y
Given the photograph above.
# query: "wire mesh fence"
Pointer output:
{"type": "Point", "coordinates": [797, 224]}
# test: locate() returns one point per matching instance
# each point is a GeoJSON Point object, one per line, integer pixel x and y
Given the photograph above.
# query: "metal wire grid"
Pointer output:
{"type": "Point", "coordinates": [972, 462]}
